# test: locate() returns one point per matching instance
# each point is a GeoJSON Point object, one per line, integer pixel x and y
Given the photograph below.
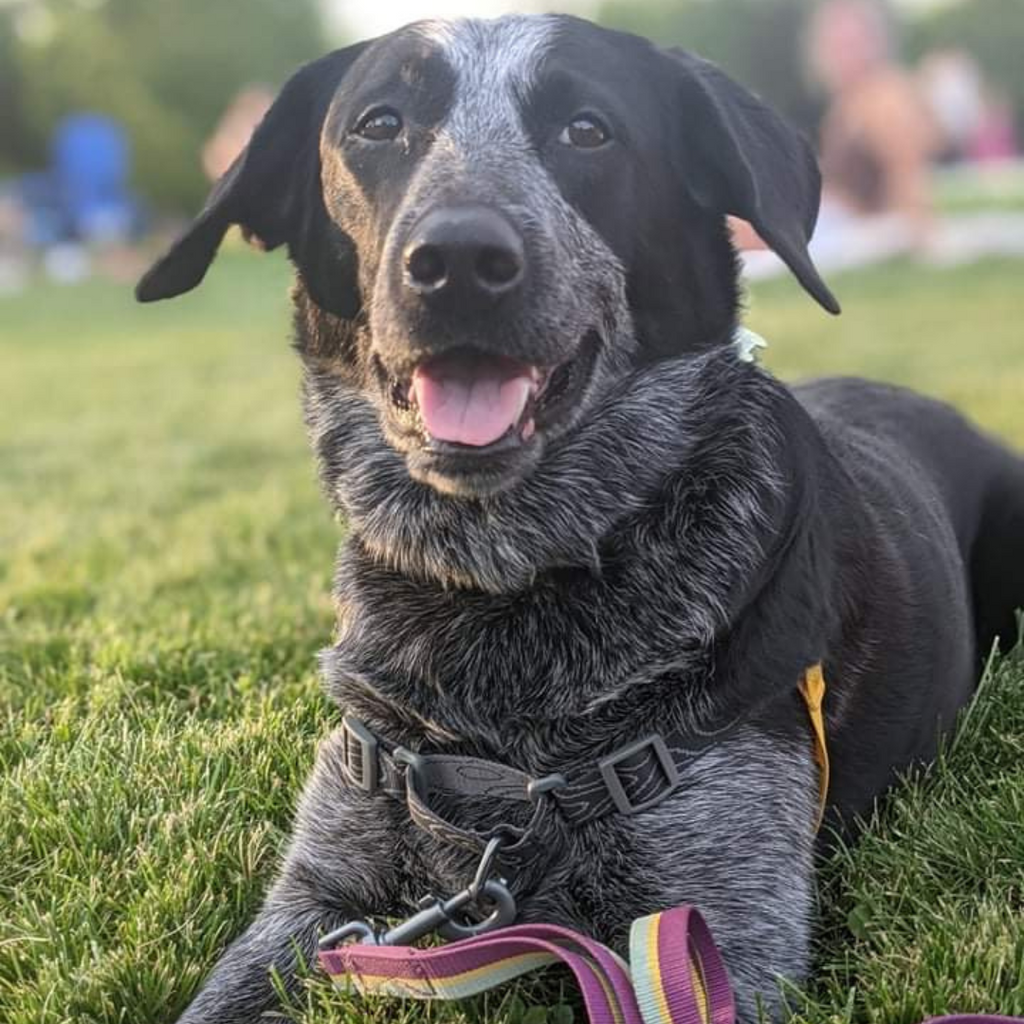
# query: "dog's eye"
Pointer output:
{"type": "Point", "coordinates": [585, 131]}
{"type": "Point", "coordinates": [382, 124]}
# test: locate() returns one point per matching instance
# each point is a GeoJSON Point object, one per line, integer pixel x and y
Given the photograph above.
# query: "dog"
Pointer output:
{"type": "Point", "coordinates": [579, 523]}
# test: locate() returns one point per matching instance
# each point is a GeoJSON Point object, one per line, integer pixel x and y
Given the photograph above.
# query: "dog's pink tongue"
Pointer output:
{"type": "Point", "coordinates": [471, 400]}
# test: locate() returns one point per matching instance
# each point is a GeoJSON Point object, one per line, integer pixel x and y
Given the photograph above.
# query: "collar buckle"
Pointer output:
{"type": "Point", "coordinates": [613, 768]}
{"type": "Point", "coordinates": [359, 753]}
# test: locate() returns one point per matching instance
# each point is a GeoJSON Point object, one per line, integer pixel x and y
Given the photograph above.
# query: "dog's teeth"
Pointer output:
{"type": "Point", "coordinates": [529, 428]}
{"type": "Point", "coordinates": [525, 395]}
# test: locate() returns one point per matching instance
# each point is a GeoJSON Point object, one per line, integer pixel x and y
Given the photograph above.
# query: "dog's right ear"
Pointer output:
{"type": "Point", "coordinates": [272, 191]}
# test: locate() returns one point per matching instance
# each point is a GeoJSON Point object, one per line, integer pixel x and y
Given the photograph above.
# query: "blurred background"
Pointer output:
{"type": "Point", "coordinates": [116, 114]}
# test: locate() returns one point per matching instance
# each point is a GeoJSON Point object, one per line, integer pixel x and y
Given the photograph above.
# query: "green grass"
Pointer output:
{"type": "Point", "coordinates": [165, 566]}
{"type": "Point", "coordinates": [972, 188]}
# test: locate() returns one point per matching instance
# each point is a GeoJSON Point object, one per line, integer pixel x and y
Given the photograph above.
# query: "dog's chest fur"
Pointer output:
{"type": "Point", "coordinates": [616, 592]}
{"type": "Point", "coordinates": [584, 658]}
{"type": "Point", "coordinates": [619, 624]}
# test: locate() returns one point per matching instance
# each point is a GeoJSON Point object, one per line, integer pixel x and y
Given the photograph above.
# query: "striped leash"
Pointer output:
{"type": "Point", "coordinates": [675, 974]}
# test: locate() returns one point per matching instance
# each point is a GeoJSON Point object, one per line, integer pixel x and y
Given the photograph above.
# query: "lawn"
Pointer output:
{"type": "Point", "coordinates": [165, 564]}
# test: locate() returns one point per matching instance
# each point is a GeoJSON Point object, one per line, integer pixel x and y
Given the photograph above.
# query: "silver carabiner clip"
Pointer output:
{"type": "Point", "coordinates": [361, 930]}
{"type": "Point", "coordinates": [439, 916]}
{"type": "Point", "coordinates": [495, 892]}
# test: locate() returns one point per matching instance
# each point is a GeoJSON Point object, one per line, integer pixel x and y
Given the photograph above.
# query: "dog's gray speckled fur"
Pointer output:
{"type": "Point", "coordinates": [540, 677]}
{"type": "Point", "coordinates": [672, 549]}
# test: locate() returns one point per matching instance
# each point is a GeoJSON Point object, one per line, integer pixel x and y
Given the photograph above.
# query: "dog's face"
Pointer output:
{"type": "Point", "coordinates": [505, 218]}
{"type": "Point", "coordinates": [494, 304]}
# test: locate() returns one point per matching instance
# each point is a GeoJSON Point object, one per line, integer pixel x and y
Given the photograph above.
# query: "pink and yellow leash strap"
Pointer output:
{"type": "Point", "coordinates": [675, 974]}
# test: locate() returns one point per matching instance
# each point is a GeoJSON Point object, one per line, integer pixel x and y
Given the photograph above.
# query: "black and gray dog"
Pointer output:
{"type": "Point", "coordinates": [576, 518]}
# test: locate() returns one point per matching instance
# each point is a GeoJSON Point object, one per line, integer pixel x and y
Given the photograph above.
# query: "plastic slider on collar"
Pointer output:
{"type": "Point", "coordinates": [359, 755]}
{"type": "Point", "coordinates": [664, 765]}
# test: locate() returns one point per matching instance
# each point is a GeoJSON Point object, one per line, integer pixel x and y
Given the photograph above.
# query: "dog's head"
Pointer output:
{"type": "Point", "coordinates": [495, 221]}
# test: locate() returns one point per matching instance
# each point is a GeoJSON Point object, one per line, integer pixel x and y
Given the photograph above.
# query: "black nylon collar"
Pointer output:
{"type": "Point", "coordinates": [633, 778]}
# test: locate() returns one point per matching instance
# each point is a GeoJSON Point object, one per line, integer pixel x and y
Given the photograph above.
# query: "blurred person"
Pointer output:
{"type": "Point", "coordinates": [878, 135]}
{"type": "Point", "coordinates": [878, 139]}
{"type": "Point", "coordinates": [91, 167]}
{"type": "Point", "coordinates": [976, 123]}
{"type": "Point", "coordinates": [952, 85]}
{"type": "Point", "coordinates": [236, 124]}
{"type": "Point", "coordinates": [996, 137]}
{"type": "Point", "coordinates": [78, 214]}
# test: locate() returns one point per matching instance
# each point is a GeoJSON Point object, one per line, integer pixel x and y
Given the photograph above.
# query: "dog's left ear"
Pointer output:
{"type": "Point", "coordinates": [273, 192]}
{"type": "Point", "coordinates": [740, 157]}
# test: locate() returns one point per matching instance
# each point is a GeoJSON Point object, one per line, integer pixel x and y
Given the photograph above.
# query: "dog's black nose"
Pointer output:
{"type": "Point", "coordinates": [466, 252]}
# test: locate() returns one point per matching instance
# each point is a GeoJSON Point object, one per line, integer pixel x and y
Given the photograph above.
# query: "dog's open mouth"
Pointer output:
{"type": "Point", "coordinates": [471, 401]}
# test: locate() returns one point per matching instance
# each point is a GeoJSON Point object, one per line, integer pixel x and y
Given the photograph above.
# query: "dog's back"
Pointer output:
{"type": "Point", "coordinates": [917, 457]}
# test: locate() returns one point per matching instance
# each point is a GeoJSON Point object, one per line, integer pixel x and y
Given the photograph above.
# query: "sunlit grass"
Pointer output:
{"type": "Point", "coordinates": [165, 566]}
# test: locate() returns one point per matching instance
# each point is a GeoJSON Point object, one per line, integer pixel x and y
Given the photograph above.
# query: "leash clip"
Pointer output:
{"type": "Point", "coordinates": [443, 917]}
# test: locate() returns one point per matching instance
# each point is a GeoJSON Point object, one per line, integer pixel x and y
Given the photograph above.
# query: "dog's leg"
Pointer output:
{"type": "Point", "coordinates": [334, 871]}
{"type": "Point", "coordinates": [240, 988]}
{"type": "Point", "coordinates": [740, 847]}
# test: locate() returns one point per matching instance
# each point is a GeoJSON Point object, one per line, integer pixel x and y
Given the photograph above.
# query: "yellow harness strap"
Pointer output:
{"type": "Point", "coordinates": [812, 689]}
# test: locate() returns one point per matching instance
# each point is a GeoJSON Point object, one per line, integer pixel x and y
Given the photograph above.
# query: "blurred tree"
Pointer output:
{"type": "Point", "coordinates": [16, 141]}
{"type": "Point", "coordinates": [759, 42]}
{"type": "Point", "coordinates": [992, 31]}
{"type": "Point", "coordinates": [165, 68]}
